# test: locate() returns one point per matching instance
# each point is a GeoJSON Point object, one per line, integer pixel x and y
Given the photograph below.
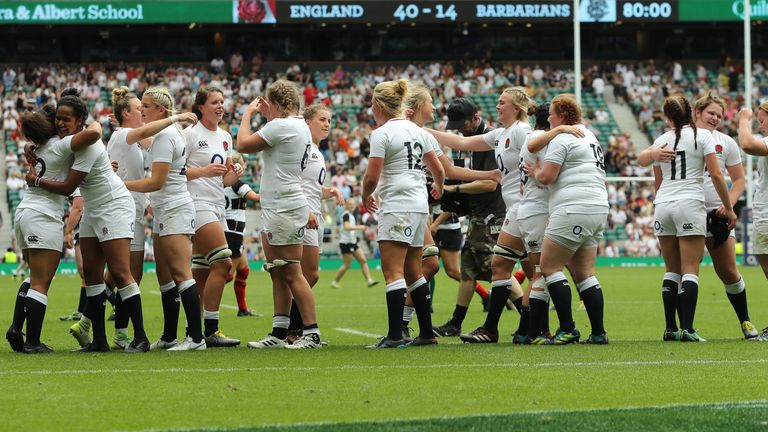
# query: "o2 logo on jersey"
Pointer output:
{"type": "Point", "coordinates": [300, 233]}
{"type": "Point", "coordinates": [408, 231]}
{"type": "Point", "coordinates": [657, 227]}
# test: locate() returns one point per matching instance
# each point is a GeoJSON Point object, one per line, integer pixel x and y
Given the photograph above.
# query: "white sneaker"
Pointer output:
{"type": "Point", "coordinates": [269, 341]}
{"type": "Point", "coordinates": [162, 345]}
{"type": "Point", "coordinates": [335, 284]}
{"type": "Point", "coordinates": [189, 345]}
{"type": "Point", "coordinates": [749, 330]}
{"type": "Point", "coordinates": [308, 341]}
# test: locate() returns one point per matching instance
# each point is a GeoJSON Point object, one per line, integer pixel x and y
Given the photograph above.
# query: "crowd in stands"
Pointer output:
{"type": "Point", "coordinates": [643, 86]}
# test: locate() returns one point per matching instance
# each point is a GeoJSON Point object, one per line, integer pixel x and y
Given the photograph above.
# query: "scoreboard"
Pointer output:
{"type": "Point", "coordinates": [372, 11]}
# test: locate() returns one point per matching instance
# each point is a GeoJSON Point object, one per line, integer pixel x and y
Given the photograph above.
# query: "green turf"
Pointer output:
{"type": "Point", "coordinates": [345, 387]}
{"type": "Point", "coordinates": [702, 418]}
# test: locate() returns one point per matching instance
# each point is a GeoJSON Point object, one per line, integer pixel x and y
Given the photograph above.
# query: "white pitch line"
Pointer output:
{"type": "Point", "coordinates": [385, 367]}
{"type": "Point", "coordinates": [225, 306]}
{"type": "Point", "coordinates": [357, 332]}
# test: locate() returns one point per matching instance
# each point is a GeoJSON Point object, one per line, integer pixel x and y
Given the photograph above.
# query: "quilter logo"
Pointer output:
{"type": "Point", "coordinates": [757, 9]}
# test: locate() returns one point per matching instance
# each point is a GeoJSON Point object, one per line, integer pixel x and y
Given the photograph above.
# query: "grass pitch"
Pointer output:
{"type": "Point", "coordinates": [635, 383]}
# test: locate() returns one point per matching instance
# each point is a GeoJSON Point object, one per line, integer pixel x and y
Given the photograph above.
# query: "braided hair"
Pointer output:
{"type": "Point", "coordinates": [677, 109]}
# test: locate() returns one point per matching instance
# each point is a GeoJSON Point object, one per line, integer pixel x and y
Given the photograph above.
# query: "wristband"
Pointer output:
{"type": "Point", "coordinates": [174, 118]}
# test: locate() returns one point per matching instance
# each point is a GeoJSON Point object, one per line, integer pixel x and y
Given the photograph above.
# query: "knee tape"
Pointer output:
{"type": "Point", "coordinates": [199, 262]}
{"type": "Point", "coordinates": [539, 290]}
{"type": "Point", "coordinates": [218, 254]}
{"type": "Point", "coordinates": [587, 284]}
{"type": "Point", "coordinates": [735, 288]}
{"type": "Point", "coordinates": [268, 266]}
{"type": "Point", "coordinates": [429, 251]}
{"type": "Point", "coordinates": [509, 253]}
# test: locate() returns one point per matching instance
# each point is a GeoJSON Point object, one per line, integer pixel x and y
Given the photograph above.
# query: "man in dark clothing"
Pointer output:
{"type": "Point", "coordinates": [485, 213]}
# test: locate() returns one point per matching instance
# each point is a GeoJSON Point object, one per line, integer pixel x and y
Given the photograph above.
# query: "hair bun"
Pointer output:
{"type": "Point", "coordinates": [71, 91]}
{"type": "Point", "coordinates": [402, 86]}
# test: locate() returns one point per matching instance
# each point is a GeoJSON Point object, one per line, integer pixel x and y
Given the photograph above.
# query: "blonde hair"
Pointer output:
{"type": "Point", "coordinates": [313, 110]}
{"type": "Point", "coordinates": [390, 96]}
{"type": "Point", "coordinates": [418, 95]}
{"type": "Point", "coordinates": [567, 108]}
{"type": "Point", "coordinates": [121, 96]}
{"type": "Point", "coordinates": [286, 96]}
{"type": "Point", "coordinates": [162, 97]}
{"type": "Point", "coordinates": [522, 101]}
{"type": "Point", "coordinates": [704, 102]}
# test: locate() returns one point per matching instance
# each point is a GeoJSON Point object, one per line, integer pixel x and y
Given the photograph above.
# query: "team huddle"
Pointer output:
{"type": "Point", "coordinates": [554, 211]}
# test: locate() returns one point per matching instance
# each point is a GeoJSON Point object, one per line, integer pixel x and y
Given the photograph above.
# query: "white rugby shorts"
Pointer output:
{"type": "Point", "coordinates": [109, 221]}
{"type": "Point", "coordinates": [680, 218]}
{"type": "Point", "coordinates": [575, 231]}
{"type": "Point", "coordinates": [285, 227]}
{"type": "Point", "coordinates": [404, 227]}
{"type": "Point", "coordinates": [35, 230]}
{"type": "Point", "coordinates": [176, 220]}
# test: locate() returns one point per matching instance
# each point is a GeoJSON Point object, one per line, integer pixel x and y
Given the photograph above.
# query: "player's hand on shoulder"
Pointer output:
{"type": "Point", "coordinates": [663, 154]}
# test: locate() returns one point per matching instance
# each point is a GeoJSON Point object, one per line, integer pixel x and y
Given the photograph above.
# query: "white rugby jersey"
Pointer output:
{"type": "Point", "coordinates": [130, 162]}
{"type": "Point", "coordinates": [289, 142]}
{"type": "Point", "coordinates": [54, 160]}
{"type": "Point", "coordinates": [347, 236]}
{"type": "Point", "coordinates": [312, 179]}
{"type": "Point", "coordinates": [402, 145]}
{"type": "Point", "coordinates": [101, 185]}
{"type": "Point", "coordinates": [683, 178]}
{"type": "Point", "coordinates": [168, 147]}
{"type": "Point", "coordinates": [236, 202]}
{"type": "Point", "coordinates": [506, 145]}
{"type": "Point", "coordinates": [535, 199]}
{"type": "Point", "coordinates": [760, 198]}
{"type": "Point", "coordinates": [580, 186]}
{"type": "Point", "coordinates": [205, 147]}
{"type": "Point", "coordinates": [728, 154]}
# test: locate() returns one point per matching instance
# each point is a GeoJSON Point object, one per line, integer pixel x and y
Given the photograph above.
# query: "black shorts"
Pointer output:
{"type": "Point", "coordinates": [449, 239]}
{"type": "Point", "coordinates": [234, 243]}
{"type": "Point", "coordinates": [348, 248]}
